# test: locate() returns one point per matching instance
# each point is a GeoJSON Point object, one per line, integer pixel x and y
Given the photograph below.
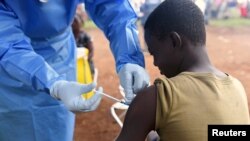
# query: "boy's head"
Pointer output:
{"type": "Point", "coordinates": [170, 30]}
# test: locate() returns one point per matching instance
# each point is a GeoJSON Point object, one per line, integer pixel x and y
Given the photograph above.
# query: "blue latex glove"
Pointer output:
{"type": "Point", "coordinates": [70, 92]}
{"type": "Point", "coordinates": [133, 78]}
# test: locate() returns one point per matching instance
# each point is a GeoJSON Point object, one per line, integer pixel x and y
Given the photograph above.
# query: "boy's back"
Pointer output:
{"type": "Point", "coordinates": [189, 102]}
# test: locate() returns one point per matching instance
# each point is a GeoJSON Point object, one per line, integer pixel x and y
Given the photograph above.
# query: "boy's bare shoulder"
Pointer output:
{"type": "Point", "coordinates": [149, 90]}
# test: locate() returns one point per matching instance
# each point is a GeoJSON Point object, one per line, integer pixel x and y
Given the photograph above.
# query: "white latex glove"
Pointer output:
{"type": "Point", "coordinates": [132, 78]}
{"type": "Point", "coordinates": [70, 94]}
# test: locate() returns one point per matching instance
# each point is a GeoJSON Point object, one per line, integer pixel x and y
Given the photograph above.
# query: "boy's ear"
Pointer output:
{"type": "Point", "coordinates": [176, 39]}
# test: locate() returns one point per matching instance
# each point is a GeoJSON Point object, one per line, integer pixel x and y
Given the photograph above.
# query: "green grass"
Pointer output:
{"type": "Point", "coordinates": [232, 22]}
{"type": "Point", "coordinates": [89, 24]}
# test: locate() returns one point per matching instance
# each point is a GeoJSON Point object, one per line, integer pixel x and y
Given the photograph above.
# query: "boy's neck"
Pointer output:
{"type": "Point", "coordinates": [196, 60]}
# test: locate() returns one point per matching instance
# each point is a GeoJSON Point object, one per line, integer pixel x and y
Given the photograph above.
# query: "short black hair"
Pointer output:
{"type": "Point", "coordinates": [181, 16]}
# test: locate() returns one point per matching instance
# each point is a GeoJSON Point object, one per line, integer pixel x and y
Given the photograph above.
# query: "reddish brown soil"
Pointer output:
{"type": "Point", "coordinates": [229, 50]}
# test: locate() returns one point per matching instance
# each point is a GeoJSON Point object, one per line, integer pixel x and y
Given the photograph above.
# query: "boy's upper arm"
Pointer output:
{"type": "Point", "coordinates": [140, 117]}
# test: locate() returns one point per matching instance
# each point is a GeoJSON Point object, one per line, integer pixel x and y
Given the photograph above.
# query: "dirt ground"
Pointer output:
{"type": "Point", "coordinates": [228, 49]}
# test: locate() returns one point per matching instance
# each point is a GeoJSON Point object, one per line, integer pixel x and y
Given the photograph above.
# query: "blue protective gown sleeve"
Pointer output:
{"type": "Point", "coordinates": [117, 19]}
{"type": "Point", "coordinates": [17, 56]}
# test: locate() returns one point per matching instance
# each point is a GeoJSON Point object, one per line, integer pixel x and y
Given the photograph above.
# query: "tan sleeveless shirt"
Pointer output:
{"type": "Point", "coordinates": [189, 102]}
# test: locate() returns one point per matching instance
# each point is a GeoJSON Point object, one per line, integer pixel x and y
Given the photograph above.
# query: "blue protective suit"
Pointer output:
{"type": "Point", "coordinates": [117, 20]}
{"type": "Point", "coordinates": [37, 48]}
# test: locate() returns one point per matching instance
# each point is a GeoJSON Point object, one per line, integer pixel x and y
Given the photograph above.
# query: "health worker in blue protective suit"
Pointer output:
{"type": "Point", "coordinates": [38, 65]}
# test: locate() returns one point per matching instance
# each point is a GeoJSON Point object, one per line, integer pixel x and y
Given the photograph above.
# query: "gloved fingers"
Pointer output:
{"type": "Point", "coordinates": [96, 103]}
{"type": "Point", "coordinates": [91, 103]}
{"type": "Point", "coordinates": [129, 97]}
{"type": "Point", "coordinates": [55, 88]}
{"type": "Point", "coordinates": [127, 85]}
{"type": "Point", "coordinates": [132, 80]}
{"type": "Point", "coordinates": [140, 81]}
{"type": "Point", "coordinates": [84, 88]}
{"type": "Point", "coordinates": [99, 90]}
{"type": "Point", "coordinates": [126, 80]}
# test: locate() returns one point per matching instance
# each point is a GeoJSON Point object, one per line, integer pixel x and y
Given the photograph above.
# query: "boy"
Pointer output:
{"type": "Point", "coordinates": [194, 93]}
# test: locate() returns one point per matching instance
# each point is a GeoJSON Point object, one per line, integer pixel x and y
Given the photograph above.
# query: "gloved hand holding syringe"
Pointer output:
{"type": "Point", "coordinates": [111, 97]}
{"type": "Point", "coordinates": [107, 95]}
